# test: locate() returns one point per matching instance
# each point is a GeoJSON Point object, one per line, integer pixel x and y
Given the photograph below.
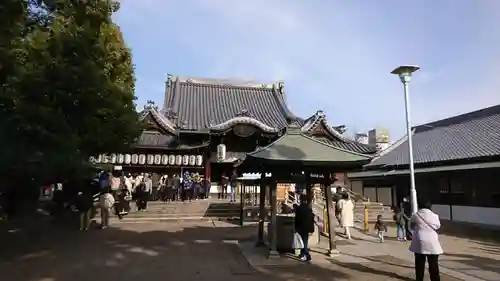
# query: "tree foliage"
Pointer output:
{"type": "Point", "coordinates": [67, 87]}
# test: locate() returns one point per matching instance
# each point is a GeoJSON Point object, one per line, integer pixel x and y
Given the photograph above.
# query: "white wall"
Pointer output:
{"type": "Point", "coordinates": [443, 211]}
{"type": "Point", "coordinates": [481, 215]}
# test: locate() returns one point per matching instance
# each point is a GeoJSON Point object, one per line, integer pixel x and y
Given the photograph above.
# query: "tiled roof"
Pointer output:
{"type": "Point", "coordinates": [471, 135]}
{"type": "Point", "coordinates": [350, 145]}
{"type": "Point", "coordinates": [200, 104]}
{"type": "Point", "coordinates": [158, 140]}
{"type": "Point", "coordinates": [337, 140]}
{"type": "Point", "coordinates": [153, 138]}
{"type": "Point", "coordinates": [294, 145]}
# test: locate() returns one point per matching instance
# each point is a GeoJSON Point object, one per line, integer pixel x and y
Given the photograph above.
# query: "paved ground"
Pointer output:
{"type": "Point", "coordinates": [196, 250]}
{"type": "Point", "coordinates": [468, 259]}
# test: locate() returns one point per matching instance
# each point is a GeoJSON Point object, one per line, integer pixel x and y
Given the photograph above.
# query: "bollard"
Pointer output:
{"type": "Point", "coordinates": [325, 220]}
{"type": "Point", "coordinates": [365, 220]}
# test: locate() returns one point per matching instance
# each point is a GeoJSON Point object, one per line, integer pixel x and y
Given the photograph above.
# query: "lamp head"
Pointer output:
{"type": "Point", "coordinates": [404, 72]}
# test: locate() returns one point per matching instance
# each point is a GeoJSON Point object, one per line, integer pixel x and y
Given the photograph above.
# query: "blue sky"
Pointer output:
{"type": "Point", "coordinates": [333, 55]}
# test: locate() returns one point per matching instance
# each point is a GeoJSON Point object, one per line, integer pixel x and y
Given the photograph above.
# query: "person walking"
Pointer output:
{"type": "Point", "coordinates": [232, 182]}
{"type": "Point", "coordinates": [206, 188]}
{"type": "Point", "coordinates": [223, 185]}
{"type": "Point", "coordinates": [304, 225]}
{"type": "Point", "coordinates": [84, 204]}
{"type": "Point", "coordinates": [346, 208]}
{"type": "Point", "coordinates": [425, 241]}
{"type": "Point", "coordinates": [380, 228]}
{"type": "Point", "coordinates": [399, 218]}
{"type": "Point", "coordinates": [106, 202]}
{"type": "Point", "coordinates": [187, 187]}
{"type": "Point", "coordinates": [177, 188]}
{"type": "Point", "coordinates": [146, 191]}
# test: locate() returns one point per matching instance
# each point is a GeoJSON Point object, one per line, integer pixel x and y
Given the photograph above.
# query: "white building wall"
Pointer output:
{"type": "Point", "coordinates": [470, 214]}
{"type": "Point", "coordinates": [480, 215]}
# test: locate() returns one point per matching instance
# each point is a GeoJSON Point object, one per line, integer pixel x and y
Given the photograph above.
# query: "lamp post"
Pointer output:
{"type": "Point", "coordinates": [405, 72]}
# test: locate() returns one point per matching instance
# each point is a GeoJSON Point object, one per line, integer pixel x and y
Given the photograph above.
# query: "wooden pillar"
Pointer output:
{"type": "Point", "coordinates": [262, 210]}
{"type": "Point", "coordinates": [273, 250]}
{"type": "Point", "coordinates": [332, 221]}
{"type": "Point", "coordinates": [308, 187]}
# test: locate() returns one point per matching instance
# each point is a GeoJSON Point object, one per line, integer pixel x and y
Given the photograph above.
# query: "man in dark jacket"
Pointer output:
{"type": "Point", "coordinates": [304, 225]}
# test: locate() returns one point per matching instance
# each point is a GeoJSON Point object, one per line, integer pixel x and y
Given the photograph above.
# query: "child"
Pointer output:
{"type": "Point", "coordinates": [381, 228]}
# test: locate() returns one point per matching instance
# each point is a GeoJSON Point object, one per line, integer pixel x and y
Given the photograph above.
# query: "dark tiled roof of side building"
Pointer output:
{"type": "Point", "coordinates": [196, 103]}
{"type": "Point", "coordinates": [471, 135]}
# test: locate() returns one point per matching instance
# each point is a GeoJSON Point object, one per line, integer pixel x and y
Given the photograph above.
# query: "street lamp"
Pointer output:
{"type": "Point", "coordinates": [404, 72]}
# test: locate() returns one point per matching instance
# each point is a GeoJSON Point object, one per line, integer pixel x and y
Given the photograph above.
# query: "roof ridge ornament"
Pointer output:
{"type": "Point", "coordinates": [281, 87]}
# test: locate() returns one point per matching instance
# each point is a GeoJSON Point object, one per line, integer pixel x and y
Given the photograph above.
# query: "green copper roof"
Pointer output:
{"type": "Point", "coordinates": [295, 146]}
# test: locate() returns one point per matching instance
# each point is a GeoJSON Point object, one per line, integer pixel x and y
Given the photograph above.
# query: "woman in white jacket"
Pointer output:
{"type": "Point", "coordinates": [346, 208]}
{"type": "Point", "coordinates": [425, 242]}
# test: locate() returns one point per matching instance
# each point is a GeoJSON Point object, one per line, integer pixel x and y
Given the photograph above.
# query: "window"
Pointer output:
{"type": "Point", "coordinates": [457, 186]}
{"type": "Point", "coordinates": [443, 186]}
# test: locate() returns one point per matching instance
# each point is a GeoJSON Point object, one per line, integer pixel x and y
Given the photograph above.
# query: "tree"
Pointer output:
{"type": "Point", "coordinates": [67, 87]}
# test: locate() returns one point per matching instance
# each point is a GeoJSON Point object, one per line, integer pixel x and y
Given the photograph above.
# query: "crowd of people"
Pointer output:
{"type": "Point", "coordinates": [117, 190]}
{"type": "Point", "coordinates": [189, 187]}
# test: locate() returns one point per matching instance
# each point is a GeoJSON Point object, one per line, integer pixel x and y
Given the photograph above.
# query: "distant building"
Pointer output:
{"type": "Point", "coordinates": [379, 138]}
{"type": "Point", "coordinates": [361, 138]}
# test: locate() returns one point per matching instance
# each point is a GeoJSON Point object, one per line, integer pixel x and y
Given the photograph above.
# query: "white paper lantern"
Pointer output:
{"type": "Point", "coordinates": [171, 160]}
{"type": "Point", "coordinates": [199, 160]}
{"type": "Point", "coordinates": [135, 158]}
{"type": "Point", "coordinates": [105, 159]}
{"type": "Point", "coordinates": [142, 159]}
{"type": "Point", "coordinates": [221, 152]}
{"type": "Point", "coordinates": [164, 159]}
{"type": "Point", "coordinates": [185, 160]}
{"type": "Point", "coordinates": [178, 160]}
{"type": "Point", "coordinates": [128, 159]}
{"type": "Point", "coordinates": [192, 160]}
{"type": "Point", "coordinates": [157, 159]}
{"type": "Point", "coordinates": [120, 159]}
{"type": "Point", "coordinates": [151, 159]}
{"type": "Point", "coordinates": [112, 158]}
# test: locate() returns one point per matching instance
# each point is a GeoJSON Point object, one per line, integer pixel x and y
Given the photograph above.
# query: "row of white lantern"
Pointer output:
{"type": "Point", "coordinates": [150, 159]}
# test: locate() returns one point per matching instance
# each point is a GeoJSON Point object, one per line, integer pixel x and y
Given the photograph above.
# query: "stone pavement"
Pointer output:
{"type": "Point", "coordinates": [464, 259]}
{"type": "Point", "coordinates": [182, 250]}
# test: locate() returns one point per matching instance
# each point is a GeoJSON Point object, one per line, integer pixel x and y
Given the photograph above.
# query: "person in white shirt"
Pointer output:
{"type": "Point", "coordinates": [425, 241]}
{"type": "Point", "coordinates": [346, 208]}
{"type": "Point", "coordinates": [106, 202]}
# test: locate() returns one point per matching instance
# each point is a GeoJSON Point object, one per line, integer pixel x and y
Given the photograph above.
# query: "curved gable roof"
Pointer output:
{"type": "Point", "coordinates": [164, 122]}
{"type": "Point", "coordinates": [336, 139]}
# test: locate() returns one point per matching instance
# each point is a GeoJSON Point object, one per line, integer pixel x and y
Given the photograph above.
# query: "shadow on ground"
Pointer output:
{"type": "Point", "coordinates": [143, 251]}
{"type": "Point", "coordinates": [470, 231]}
